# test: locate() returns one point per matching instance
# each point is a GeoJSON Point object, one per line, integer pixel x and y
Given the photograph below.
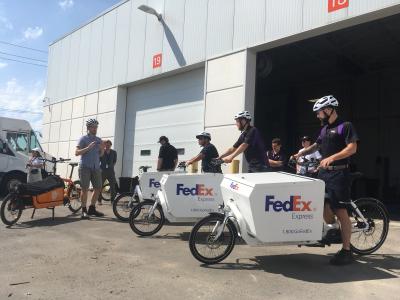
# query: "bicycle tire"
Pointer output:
{"type": "Point", "coordinates": [194, 235]}
{"type": "Point", "coordinates": [75, 189]}
{"type": "Point", "coordinates": [135, 213]}
{"type": "Point", "coordinates": [366, 206]}
{"type": "Point", "coordinates": [5, 206]}
{"type": "Point", "coordinates": [117, 203]}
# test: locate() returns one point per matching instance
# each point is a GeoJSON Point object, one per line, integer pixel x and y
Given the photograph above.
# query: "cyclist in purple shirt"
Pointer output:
{"type": "Point", "coordinates": [337, 142]}
{"type": "Point", "coordinates": [250, 143]}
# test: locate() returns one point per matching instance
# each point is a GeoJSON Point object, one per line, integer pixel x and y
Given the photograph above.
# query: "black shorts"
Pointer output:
{"type": "Point", "coordinates": [337, 187]}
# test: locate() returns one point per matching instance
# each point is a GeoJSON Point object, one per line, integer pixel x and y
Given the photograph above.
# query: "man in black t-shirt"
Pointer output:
{"type": "Point", "coordinates": [337, 142]}
{"type": "Point", "coordinates": [276, 157]}
{"type": "Point", "coordinates": [168, 155]}
{"type": "Point", "coordinates": [206, 154]}
{"type": "Point", "coordinates": [250, 143]}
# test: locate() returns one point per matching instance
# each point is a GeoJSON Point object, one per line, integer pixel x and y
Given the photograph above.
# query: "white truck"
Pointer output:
{"type": "Point", "coordinates": [17, 139]}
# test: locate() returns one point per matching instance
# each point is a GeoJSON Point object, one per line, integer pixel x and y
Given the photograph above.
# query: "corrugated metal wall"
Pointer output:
{"type": "Point", "coordinates": [118, 47]}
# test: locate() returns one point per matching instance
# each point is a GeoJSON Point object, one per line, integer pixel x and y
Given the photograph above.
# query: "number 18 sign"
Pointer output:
{"type": "Point", "coordinates": [334, 5]}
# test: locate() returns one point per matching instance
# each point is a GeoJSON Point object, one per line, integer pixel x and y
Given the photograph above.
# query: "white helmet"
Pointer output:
{"type": "Point", "coordinates": [243, 114]}
{"type": "Point", "coordinates": [92, 122]}
{"type": "Point", "coordinates": [327, 101]}
{"type": "Point", "coordinates": [203, 134]}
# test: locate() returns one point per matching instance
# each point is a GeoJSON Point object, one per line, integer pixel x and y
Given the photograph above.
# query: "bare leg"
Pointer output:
{"type": "Point", "coordinates": [329, 216]}
{"type": "Point", "coordinates": [95, 196]}
{"type": "Point", "coordinates": [84, 195]}
{"type": "Point", "coordinates": [345, 226]}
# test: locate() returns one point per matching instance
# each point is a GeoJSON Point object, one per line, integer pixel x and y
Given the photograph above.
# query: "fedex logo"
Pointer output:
{"type": "Point", "coordinates": [234, 186]}
{"type": "Point", "coordinates": [154, 183]}
{"type": "Point", "coordinates": [294, 204]}
{"type": "Point", "coordinates": [198, 190]}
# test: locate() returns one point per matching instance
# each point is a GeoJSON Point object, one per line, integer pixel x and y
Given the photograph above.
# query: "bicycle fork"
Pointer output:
{"type": "Point", "coordinates": [153, 208]}
{"type": "Point", "coordinates": [359, 214]}
{"type": "Point", "coordinates": [219, 228]}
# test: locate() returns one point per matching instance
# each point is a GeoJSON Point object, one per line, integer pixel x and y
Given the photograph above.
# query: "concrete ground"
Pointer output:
{"type": "Point", "coordinates": [104, 259]}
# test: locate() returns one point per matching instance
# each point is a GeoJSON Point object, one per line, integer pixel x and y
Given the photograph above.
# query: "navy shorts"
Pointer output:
{"type": "Point", "coordinates": [337, 187]}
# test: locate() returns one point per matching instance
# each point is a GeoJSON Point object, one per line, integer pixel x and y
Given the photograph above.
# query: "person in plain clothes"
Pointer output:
{"type": "Point", "coordinates": [306, 142]}
{"type": "Point", "coordinates": [35, 165]}
{"type": "Point", "coordinates": [107, 163]}
{"type": "Point", "coordinates": [90, 148]}
{"type": "Point", "coordinates": [168, 155]}
{"type": "Point", "coordinates": [276, 157]}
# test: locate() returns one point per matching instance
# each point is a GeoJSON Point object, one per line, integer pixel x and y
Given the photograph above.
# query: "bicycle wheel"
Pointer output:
{"type": "Point", "coordinates": [143, 224]}
{"type": "Point", "coordinates": [106, 192]}
{"type": "Point", "coordinates": [203, 245]}
{"type": "Point", "coordinates": [74, 196]}
{"type": "Point", "coordinates": [9, 212]}
{"type": "Point", "coordinates": [123, 205]}
{"type": "Point", "coordinates": [366, 241]}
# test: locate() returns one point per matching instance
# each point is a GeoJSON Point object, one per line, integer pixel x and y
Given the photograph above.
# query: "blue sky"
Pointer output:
{"type": "Point", "coordinates": [34, 24]}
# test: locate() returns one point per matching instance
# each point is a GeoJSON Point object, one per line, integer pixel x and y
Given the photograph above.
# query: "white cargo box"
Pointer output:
{"type": "Point", "coordinates": [277, 206]}
{"type": "Point", "coordinates": [150, 183]}
{"type": "Point", "coordinates": [189, 197]}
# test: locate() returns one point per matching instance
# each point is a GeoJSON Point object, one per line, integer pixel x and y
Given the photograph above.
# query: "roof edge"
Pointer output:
{"type": "Point", "coordinates": [90, 21]}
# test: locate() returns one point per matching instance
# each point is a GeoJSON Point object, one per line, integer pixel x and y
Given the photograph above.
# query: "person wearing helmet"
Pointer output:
{"type": "Point", "coordinates": [337, 142]}
{"type": "Point", "coordinates": [206, 154]}
{"type": "Point", "coordinates": [90, 148]}
{"type": "Point", "coordinates": [250, 143]}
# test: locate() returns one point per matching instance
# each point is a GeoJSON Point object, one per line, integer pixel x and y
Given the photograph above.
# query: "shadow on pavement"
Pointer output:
{"type": "Point", "coordinates": [315, 268]}
{"type": "Point", "coordinates": [46, 222]}
{"type": "Point", "coordinates": [184, 236]}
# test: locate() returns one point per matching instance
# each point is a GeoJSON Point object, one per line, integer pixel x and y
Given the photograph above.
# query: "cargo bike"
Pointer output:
{"type": "Point", "coordinates": [49, 193]}
{"type": "Point", "coordinates": [279, 208]}
{"type": "Point", "coordinates": [182, 198]}
{"type": "Point", "coordinates": [140, 189]}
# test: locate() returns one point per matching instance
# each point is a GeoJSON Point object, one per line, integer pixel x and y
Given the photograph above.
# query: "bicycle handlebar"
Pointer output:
{"type": "Point", "coordinates": [60, 160]}
{"type": "Point", "coordinates": [182, 165]}
{"type": "Point", "coordinates": [216, 162]}
{"type": "Point", "coordinates": [144, 168]}
{"type": "Point", "coordinates": [292, 163]}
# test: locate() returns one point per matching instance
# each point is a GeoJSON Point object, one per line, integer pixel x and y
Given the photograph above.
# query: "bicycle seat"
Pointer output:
{"type": "Point", "coordinates": [73, 164]}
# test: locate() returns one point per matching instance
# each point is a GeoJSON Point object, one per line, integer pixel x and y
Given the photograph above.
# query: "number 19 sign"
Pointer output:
{"type": "Point", "coordinates": [157, 60]}
{"type": "Point", "coordinates": [334, 5]}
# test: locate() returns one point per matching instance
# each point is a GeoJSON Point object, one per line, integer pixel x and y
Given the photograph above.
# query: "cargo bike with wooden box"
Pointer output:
{"type": "Point", "coordinates": [49, 193]}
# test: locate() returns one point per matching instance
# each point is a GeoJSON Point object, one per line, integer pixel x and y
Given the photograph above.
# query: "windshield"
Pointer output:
{"type": "Point", "coordinates": [34, 142]}
{"type": "Point", "coordinates": [18, 141]}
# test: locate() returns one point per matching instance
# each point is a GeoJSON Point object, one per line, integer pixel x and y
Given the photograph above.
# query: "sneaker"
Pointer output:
{"type": "Point", "coordinates": [341, 258]}
{"type": "Point", "coordinates": [84, 215]}
{"type": "Point", "coordinates": [93, 212]}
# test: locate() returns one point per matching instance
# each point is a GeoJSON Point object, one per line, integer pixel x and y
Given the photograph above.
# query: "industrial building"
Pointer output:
{"type": "Point", "coordinates": [190, 65]}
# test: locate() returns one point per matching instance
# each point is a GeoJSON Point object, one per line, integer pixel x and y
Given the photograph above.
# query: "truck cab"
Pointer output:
{"type": "Point", "coordinates": [17, 139]}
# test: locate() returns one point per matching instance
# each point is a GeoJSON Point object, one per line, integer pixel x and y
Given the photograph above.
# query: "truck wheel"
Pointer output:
{"type": "Point", "coordinates": [12, 180]}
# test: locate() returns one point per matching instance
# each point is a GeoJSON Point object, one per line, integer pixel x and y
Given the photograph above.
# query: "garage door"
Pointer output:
{"type": "Point", "coordinates": [173, 107]}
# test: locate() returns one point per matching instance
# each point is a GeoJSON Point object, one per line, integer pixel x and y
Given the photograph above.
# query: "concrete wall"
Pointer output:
{"type": "Point", "coordinates": [118, 46]}
{"type": "Point", "coordinates": [229, 89]}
